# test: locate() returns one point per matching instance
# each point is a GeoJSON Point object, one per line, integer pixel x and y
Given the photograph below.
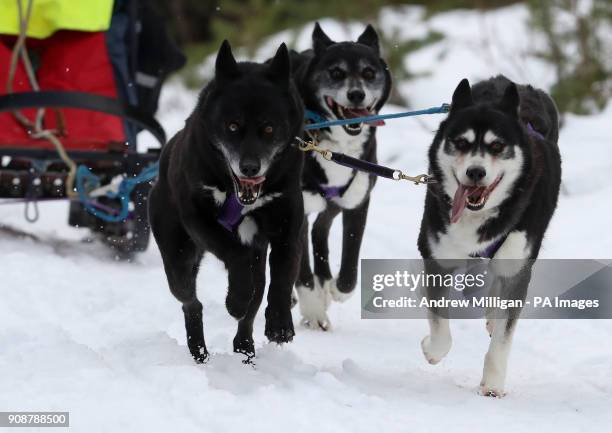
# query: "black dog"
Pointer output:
{"type": "Point", "coordinates": [498, 168]}
{"type": "Point", "coordinates": [229, 183]}
{"type": "Point", "coordinates": [338, 81]}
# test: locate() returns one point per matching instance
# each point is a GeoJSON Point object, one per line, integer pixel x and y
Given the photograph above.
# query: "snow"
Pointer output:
{"type": "Point", "coordinates": [105, 339]}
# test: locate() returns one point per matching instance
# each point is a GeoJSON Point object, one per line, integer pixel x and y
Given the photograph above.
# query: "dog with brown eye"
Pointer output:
{"type": "Point", "coordinates": [498, 172]}
{"type": "Point", "coordinates": [229, 185]}
{"type": "Point", "coordinates": [337, 80]}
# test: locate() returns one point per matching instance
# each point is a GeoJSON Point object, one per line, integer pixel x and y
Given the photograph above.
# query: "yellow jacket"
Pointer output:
{"type": "Point", "coordinates": [49, 16]}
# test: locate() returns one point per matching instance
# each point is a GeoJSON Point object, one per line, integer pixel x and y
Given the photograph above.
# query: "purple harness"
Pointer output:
{"type": "Point", "coordinates": [330, 192]}
{"type": "Point", "coordinates": [490, 251]}
{"type": "Point", "coordinates": [230, 215]}
{"type": "Point", "coordinates": [533, 132]}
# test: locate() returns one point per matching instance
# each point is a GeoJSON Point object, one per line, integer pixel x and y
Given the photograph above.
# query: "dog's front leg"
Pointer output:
{"type": "Point", "coordinates": [243, 341]}
{"type": "Point", "coordinates": [353, 227]}
{"type": "Point", "coordinates": [284, 266]}
{"type": "Point", "coordinates": [313, 293]}
{"type": "Point", "coordinates": [284, 261]}
{"type": "Point", "coordinates": [240, 282]}
{"type": "Point", "coordinates": [320, 243]}
{"type": "Point", "coordinates": [513, 288]}
{"type": "Point", "coordinates": [313, 298]}
{"type": "Point", "coordinates": [306, 277]}
{"type": "Point", "coordinates": [437, 344]}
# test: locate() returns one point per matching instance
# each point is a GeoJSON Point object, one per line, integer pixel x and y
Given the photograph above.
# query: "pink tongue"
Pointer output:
{"type": "Point", "coordinates": [252, 180]}
{"type": "Point", "coordinates": [362, 112]}
{"type": "Point", "coordinates": [459, 203]}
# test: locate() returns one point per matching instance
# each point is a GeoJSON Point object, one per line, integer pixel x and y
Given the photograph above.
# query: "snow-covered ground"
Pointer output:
{"type": "Point", "coordinates": [104, 340]}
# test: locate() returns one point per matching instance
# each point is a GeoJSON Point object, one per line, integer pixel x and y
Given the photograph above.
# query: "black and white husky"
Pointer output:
{"type": "Point", "coordinates": [338, 80]}
{"type": "Point", "coordinates": [498, 169]}
{"type": "Point", "coordinates": [229, 184]}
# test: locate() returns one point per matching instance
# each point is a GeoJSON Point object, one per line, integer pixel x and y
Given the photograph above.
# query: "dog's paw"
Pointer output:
{"type": "Point", "coordinates": [246, 347]}
{"type": "Point", "coordinates": [493, 375]}
{"type": "Point", "coordinates": [199, 354]}
{"type": "Point", "coordinates": [317, 324]}
{"type": "Point", "coordinates": [279, 326]}
{"type": "Point", "coordinates": [313, 306]}
{"type": "Point", "coordinates": [490, 326]}
{"type": "Point", "coordinates": [336, 294]}
{"type": "Point", "coordinates": [435, 351]}
{"type": "Point", "coordinates": [487, 391]}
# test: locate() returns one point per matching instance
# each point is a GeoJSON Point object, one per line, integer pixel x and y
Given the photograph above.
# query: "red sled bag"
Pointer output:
{"type": "Point", "coordinates": [68, 60]}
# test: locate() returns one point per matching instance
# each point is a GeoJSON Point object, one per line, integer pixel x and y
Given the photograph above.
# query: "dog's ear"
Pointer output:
{"type": "Point", "coordinates": [320, 41]}
{"type": "Point", "coordinates": [369, 37]}
{"type": "Point", "coordinates": [462, 97]}
{"type": "Point", "coordinates": [226, 66]}
{"type": "Point", "coordinates": [280, 66]}
{"type": "Point", "coordinates": [510, 101]}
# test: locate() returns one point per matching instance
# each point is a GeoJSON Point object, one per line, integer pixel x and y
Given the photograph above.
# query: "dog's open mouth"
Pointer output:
{"type": "Point", "coordinates": [248, 188]}
{"type": "Point", "coordinates": [342, 112]}
{"type": "Point", "coordinates": [473, 197]}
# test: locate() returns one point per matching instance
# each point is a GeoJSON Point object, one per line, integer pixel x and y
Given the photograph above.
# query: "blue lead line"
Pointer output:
{"type": "Point", "coordinates": [444, 108]}
{"type": "Point", "coordinates": [127, 185]}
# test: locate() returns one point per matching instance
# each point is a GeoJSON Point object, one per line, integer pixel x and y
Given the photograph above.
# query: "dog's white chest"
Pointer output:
{"type": "Point", "coordinates": [340, 142]}
{"type": "Point", "coordinates": [355, 193]}
{"type": "Point", "coordinates": [461, 238]}
{"type": "Point", "coordinates": [338, 175]}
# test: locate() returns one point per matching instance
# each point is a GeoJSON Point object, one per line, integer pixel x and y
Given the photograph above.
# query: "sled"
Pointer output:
{"type": "Point", "coordinates": [97, 85]}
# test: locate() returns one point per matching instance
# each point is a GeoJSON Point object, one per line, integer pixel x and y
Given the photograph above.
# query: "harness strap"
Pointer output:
{"type": "Point", "coordinates": [490, 251]}
{"type": "Point", "coordinates": [230, 215]}
{"type": "Point", "coordinates": [365, 166]}
{"type": "Point", "coordinates": [330, 192]}
{"type": "Point", "coordinates": [85, 101]}
{"type": "Point", "coordinates": [534, 132]}
{"type": "Point", "coordinates": [361, 165]}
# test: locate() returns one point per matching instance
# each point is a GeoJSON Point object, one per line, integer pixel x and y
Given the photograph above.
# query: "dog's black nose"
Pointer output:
{"type": "Point", "coordinates": [475, 173]}
{"type": "Point", "coordinates": [250, 166]}
{"type": "Point", "coordinates": [355, 96]}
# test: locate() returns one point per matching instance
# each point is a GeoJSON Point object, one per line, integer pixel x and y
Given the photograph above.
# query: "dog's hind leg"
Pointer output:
{"type": "Point", "coordinates": [243, 341]}
{"type": "Point", "coordinates": [314, 297]}
{"type": "Point", "coordinates": [353, 227]}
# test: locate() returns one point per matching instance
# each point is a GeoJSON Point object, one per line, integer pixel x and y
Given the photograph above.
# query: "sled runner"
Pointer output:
{"type": "Point", "coordinates": [78, 82]}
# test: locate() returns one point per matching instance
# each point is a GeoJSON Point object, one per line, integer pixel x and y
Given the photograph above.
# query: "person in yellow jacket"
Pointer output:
{"type": "Point", "coordinates": [48, 16]}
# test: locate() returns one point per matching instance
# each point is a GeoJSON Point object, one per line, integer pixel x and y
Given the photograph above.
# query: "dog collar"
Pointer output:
{"type": "Point", "coordinates": [230, 215]}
